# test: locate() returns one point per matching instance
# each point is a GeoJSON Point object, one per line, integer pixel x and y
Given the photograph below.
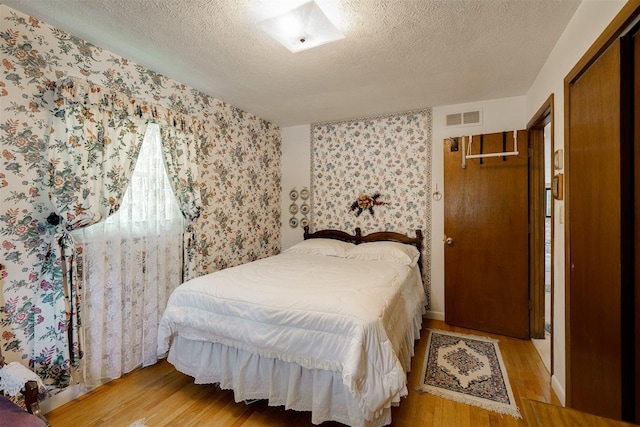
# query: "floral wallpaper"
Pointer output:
{"type": "Point", "coordinates": [374, 173]}
{"type": "Point", "coordinates": [239, 171]}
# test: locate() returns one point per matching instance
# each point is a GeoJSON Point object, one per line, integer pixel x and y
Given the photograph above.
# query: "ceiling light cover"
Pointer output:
{"type": "Point", "coordinates": [302, 28]}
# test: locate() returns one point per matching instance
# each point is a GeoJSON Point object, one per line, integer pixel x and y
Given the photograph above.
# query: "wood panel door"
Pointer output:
{"type": "Point", "coordinates": [486, 237]}
{"type": "Point", "coordinates": [599, 162]}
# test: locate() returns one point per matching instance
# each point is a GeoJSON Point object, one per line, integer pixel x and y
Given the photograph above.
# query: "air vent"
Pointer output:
{"type": "Point", "coordinates": [454, 119]}
{"type": "Point", "coordinates": [465, 118]}
{"type": "Point", "coordinates": [471, 117]}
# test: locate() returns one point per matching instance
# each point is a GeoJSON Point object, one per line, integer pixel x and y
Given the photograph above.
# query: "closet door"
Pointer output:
{"type": "Point", "coordinates": [596, 201]}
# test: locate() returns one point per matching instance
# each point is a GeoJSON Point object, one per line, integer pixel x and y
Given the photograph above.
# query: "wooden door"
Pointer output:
{"type": "Point", "coordinates": [597, 171]}
{"type": "Point", "coordinates": [486, 237]}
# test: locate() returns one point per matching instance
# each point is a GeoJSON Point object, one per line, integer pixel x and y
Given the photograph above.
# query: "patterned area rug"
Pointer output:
{"type": "Point", "coordinates": [467, 369]}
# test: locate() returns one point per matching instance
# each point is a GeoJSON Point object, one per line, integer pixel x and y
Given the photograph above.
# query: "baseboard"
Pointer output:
{"type": "Point", "coordinates": [66, 396]}
{"type": "Point", "coordinates": [435, 315]}
{"type": "Point", "coordinates": [559, 390]}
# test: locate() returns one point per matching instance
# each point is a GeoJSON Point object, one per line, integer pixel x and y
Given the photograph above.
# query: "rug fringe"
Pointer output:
{"type": "Point", "coordinates": [461, 335]}
{"type": "Point", "coordinates": [500, 408]}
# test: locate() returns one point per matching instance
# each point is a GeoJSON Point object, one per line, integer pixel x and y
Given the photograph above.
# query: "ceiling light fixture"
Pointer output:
{"type": "Point", "coordinates": [302, 28]}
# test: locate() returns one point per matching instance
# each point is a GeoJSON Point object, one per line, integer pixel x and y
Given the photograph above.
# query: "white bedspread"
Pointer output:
{"type": "Point", "coordinates": [322, 312]}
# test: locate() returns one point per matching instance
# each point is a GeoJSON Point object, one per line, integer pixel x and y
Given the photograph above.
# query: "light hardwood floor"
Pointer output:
{"type": "Point", "coordinates": [165, 397]}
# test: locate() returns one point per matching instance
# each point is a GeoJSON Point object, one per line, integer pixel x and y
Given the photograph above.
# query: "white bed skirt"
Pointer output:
{"type": "Point", "coordinates": [283, 383]}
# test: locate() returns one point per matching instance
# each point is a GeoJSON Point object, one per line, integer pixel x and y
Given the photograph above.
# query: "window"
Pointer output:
{"type": "Point", "coordinates": [149, 204]}
{"type": "Point", "coordinates": [129, 264]}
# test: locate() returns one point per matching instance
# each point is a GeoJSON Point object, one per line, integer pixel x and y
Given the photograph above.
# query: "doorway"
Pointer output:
{"type": "Point", "coordinates": [542, 165]}
{"type": "Point", "coordinates": [543, 345]}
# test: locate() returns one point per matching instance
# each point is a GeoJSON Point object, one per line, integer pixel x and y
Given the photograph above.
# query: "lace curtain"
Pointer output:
{"type": "Point", "coordinates": [130, 264]}
{"type": "Point", "coordinates": [94, 140]}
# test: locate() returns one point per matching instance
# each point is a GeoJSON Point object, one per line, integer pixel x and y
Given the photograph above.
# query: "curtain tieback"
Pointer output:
{"type": "Point", "coordinates": [54, 219]}
{"type": "Point", "coordinates": [69, 269]}
{"type": "Point", "coordinates": [190, 228]}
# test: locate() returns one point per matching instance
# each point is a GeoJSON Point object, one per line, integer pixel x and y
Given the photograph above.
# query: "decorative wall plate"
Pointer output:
{"type": "Point", "coordinates": [304, 193]}
{"type": "Point", "coordinates": [304, 209]}
{"type": "Point", "coordinates": [293, 208]}
{"type": "Point", "coordinates": [293, 222]}
{"type": "Point", "coordinates": [293, 194]}
{"type": "Point", "coordinates": [304, 222]}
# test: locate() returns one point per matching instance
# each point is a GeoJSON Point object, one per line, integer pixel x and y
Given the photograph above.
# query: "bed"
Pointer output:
{"type": "Point", "coordinates": [327, 326]}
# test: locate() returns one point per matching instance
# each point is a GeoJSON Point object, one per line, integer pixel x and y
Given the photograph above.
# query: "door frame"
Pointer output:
{"type": "Point", "coordinates": [535, 131]}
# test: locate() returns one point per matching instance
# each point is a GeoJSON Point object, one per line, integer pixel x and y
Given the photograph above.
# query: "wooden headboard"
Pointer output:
{"type": "Point", "coordinates": [378, 236]}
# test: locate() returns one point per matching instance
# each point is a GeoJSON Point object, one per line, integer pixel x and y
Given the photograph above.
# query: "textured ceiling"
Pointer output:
{"type": "Point", "coordinates": [397, 55]}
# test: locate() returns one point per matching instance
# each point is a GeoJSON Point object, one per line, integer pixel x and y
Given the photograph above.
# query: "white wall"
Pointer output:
{"type": "Point", "coordinates": [497, 115]}
{"type": "Point", "coordinates": [296, 172]}
{"type": "Point", "coordinates": [590, 19]}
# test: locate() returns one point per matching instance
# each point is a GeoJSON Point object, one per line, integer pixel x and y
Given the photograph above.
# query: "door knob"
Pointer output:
{"type": "Point", "coordinates": [448, 241]}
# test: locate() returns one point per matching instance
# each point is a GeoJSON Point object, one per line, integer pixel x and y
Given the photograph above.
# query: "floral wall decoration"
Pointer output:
{"type": "Point", "coordinates": [240, 157]}
{"type": "Point", "coordinates": [391, 154]}
{"type": "Point", "coordinates": [366, 202]}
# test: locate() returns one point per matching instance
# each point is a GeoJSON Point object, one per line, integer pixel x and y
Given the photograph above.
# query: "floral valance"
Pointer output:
{"type": "Point", "coordinates": [181, 134]}
{"type": "Point", "coordinates": [74, 90]}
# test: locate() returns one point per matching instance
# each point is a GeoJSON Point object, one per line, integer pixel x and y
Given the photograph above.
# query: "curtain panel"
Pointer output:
{"type": "Point", "coordinates": [92, 148]}
{"type": "Point", "coordinates": [95, 136]}
{"type": "Point", "coordinates": [180, 151]}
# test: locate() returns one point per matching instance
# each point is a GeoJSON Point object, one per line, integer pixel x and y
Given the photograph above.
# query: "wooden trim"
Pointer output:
{"type": "Point", "coordinates": [567, 249]}
{"type": "Point", "coordinates": [543, 116]}
{"type": "Point", "coordinates": [627, 228]}
{"type": "Point", "coordinates": [536, 233]}
{"type": "Point", "coordinates": [553, 226]}
{"type": "Point", "coordinates": [535, 129]}
{"type": "Point", "coordinates": [637, 222]}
